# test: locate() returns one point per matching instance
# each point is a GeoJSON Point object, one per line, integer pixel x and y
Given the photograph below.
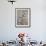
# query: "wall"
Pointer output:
{"type": "Point", "coordinates": [37, 30]}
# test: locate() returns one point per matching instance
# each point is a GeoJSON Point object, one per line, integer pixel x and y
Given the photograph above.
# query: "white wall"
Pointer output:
{"type": "Point", "coordinates": [37, 30]}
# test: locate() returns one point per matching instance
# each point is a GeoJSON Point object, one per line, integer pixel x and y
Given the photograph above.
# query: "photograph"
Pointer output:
{"type": "Point", "coordinates": [23, 17]}
{"type": "Point", "coordinates": [22, 22]}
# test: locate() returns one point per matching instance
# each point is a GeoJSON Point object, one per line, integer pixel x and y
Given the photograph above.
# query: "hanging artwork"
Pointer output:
{"type": "Point", "coordinates": [23, 17]}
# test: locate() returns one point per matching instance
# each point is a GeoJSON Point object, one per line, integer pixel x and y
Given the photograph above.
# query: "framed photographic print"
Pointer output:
{"type": "Point", "coordinates": [22, 17]}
